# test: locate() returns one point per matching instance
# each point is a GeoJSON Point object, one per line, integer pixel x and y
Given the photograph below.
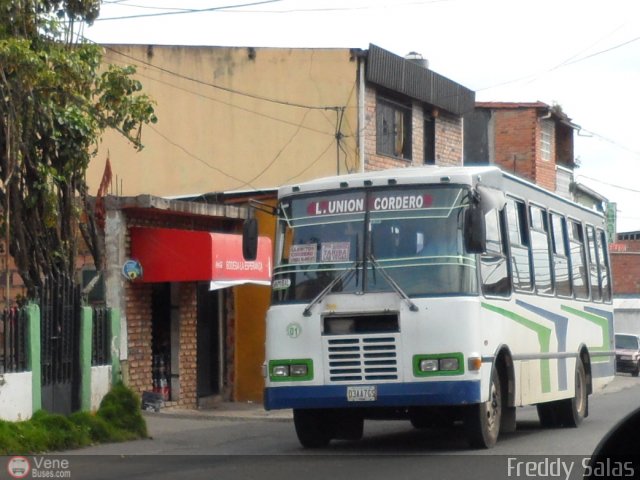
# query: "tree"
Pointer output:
{"type": "Point", "coordinates": [56, 100]}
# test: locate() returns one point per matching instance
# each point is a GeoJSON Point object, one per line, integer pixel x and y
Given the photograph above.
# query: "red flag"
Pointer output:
{"type": "Point", "coordinates": [102, 191]}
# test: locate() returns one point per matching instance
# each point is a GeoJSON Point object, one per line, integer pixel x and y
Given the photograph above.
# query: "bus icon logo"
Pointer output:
{"type": "Point", "coordinates": [294, 330]}
{"type": "Point", "coordinates": [18, 467]}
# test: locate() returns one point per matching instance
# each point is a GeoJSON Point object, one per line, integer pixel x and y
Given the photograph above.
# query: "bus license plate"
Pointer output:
{"type": "Point", "coordinates": [365, 393]}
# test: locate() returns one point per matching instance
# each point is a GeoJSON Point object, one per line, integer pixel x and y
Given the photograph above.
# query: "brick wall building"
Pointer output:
{"type": "Point", "coordinates": [444, 136]}
{"type": "Point", "coordinates": [162, 348]}
{"type": "Point", "coordinates": [625, 263]}
{"type": "Point", "coordinates": [625, 268]}
{"type": "Point", "coordinates": [532, 140]}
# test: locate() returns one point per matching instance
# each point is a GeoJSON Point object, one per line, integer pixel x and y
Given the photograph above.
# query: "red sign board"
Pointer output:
{"type": "Point", "coordinates": [172, 255]}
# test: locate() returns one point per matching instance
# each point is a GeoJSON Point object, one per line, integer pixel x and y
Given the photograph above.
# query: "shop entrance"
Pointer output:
{"type": "Point", "coordinates": [210, 341]}
{"type": "Point", "coordinates": [165, 340]}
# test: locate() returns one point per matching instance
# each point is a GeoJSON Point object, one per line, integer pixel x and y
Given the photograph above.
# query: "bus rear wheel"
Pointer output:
{"type": "Point", "coordinates": [312, 428]}
{"type": "Point", "coordinates": [574, 410]}
{"type": "Point", "coordinates": [569, 412]}
{"type": "Point", "coordinates": [483, 420]}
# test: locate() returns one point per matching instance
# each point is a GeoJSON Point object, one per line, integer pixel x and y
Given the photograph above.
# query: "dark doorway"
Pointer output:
{"type": "Point", "coordinates": [161, 339]}
{"type": "Point", "coordinates": [209, 345]}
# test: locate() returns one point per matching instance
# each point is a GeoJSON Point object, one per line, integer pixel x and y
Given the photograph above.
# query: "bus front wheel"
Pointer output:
{"type": "Point", "coordinates": [483, 420]}
{"type": "Point", "coordinates": [312, 428]}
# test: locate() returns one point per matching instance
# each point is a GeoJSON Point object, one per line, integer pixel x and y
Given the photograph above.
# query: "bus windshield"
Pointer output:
{"type": "Point", "coordinates": [363, 241]}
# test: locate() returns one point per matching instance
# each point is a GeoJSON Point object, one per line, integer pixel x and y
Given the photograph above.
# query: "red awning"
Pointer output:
{"type": "Point", "coordinates": [171, 255]}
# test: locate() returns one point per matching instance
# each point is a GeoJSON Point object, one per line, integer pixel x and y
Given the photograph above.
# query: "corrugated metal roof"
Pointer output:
{"type": "Point", "coordinates": [411, 79]}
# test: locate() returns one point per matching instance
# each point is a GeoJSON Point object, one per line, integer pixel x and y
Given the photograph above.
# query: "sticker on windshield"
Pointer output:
{"type": "Point", "coordinates": [335, 251]}
{"type": "Point", "coordinates": [305, 253]}
{"type": "Point", "coordinates": [281, 284]}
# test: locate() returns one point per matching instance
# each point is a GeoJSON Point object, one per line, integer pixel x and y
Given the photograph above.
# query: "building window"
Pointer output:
{"type": "Point", "coordinates": [429, 140]}
{"type": "Point", "coordinates": [546, 140]}
{"type": "Point", "coordinates": [393, 129]}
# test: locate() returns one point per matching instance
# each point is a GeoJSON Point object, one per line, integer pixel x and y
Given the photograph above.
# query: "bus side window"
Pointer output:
{"type": "Point", "coordinates": [560, 255]}
{"type": "Point", "coordinates": [519, 245]}
{"type": "Point", "coordinates": [594, 267]}
{"type": "Point", "coordinates": [540, 250]}
{"type": "Point", "coordinates": [494, 266]}
{"type": "Point", "coordinates": [579, 277]}
{"type": "Point", "coordinates": [604, 266]}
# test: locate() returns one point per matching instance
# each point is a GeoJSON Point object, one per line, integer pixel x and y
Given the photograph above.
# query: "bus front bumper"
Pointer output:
{"type": "Point", "coordinates": [460, 392]}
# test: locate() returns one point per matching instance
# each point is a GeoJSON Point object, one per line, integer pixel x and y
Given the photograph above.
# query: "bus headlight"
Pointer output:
{"type": "Point", "coordinates": [449, 364]}
{"type": "Point", "coordinates": [438, 364]}
{"type": "Point", "coordinates": [429, 365]}
{"type": "Point", "coordinates": [280, 371]}
{"type": "Point", "coordinates": [298, 370]}
{"type": "Point", "coordinates": [290, 370]}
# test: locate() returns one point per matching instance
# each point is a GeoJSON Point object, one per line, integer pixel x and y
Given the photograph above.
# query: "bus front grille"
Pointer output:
{"type": "Point", "coordinates": [354, 359]}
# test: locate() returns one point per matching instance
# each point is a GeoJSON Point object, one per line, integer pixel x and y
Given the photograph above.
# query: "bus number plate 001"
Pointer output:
{"type": "Point", "coordinates": [364, 393]}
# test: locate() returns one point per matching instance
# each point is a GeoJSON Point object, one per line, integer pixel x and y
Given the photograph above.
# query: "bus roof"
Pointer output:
{"type": "Point", "coordinates": [490, 176]}
{"type": "Point", "coordinates": [397, 176]}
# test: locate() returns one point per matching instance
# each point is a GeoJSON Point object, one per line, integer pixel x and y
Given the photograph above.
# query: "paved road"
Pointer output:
{"type": "Point", "coordinates": [243, 441]}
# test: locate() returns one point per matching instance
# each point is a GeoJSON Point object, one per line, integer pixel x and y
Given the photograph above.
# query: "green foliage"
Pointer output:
{"type": "Point", "coordinates": [121, 409]}
{"type": "Point", "coordinates": [56, 100]}
{"type": "Point", "coordinates": [119, 418]}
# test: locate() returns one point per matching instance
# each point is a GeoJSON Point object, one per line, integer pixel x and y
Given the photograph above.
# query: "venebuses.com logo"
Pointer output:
{"type": "Point", "coordinates": [18, 467]}
{"type": "Point", "coordinates": [38, 467]}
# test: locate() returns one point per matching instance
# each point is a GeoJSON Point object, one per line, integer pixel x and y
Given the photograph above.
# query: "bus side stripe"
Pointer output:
{"type": "Point", "coordinates": [560, 323]}
{"type": "Point", "coordinates": [544, 339]}
{"type": "Point", "coordinates": [601, 322]}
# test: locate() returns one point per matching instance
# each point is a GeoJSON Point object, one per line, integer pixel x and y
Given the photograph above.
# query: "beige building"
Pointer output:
{"type": "Point", "coordinates": [245, 120]}
{"type": "Point", "coordinates": [252, 118]}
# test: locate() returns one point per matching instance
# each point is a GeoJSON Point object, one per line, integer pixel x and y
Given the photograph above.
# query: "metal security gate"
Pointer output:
{"type": "Point", "coordinates": [59, 330]}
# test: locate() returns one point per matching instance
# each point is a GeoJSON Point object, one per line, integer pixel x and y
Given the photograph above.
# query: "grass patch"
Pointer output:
{"type": "Point", "coordinates": [119, 418]}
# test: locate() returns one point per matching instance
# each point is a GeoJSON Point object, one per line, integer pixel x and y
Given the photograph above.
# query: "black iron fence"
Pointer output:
{"type": "Point", "coordinates": [59, 329]}
{"type": "Point", "coordinates": [101, 338]}
{"type": "Point", "coordinates": [13, 340]}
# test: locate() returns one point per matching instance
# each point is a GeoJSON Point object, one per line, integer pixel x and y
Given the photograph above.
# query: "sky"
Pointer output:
{"type": "Point", "coordinates": [583, 55]}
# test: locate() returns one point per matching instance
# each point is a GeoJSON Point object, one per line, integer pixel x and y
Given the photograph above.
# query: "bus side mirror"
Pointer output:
{"type": "Point", "coordinates": [475, 237]}
{"type": "Point", "coordinates": [250, 239]}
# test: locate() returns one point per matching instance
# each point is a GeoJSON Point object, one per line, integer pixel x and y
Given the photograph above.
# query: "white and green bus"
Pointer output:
{"type": "Point", "coordinates": [438, 295]}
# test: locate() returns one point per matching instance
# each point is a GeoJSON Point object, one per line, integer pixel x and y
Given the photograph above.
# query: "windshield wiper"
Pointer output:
{"type": "Point", "coordinates": [345, 275]}
{"type": "Point", "coordinates": [398, 289]}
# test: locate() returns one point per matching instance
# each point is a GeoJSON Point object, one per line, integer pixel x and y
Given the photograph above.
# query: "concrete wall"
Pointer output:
{"type": "Point", "coordinates": [234, 118]}
{"type": "Point", "coordinates": [16, 396]}
{"type": "Point", "coordinates": [100, 384]}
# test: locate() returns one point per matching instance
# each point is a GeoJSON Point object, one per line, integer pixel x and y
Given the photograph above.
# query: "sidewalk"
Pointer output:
{"type": "Point", "coordinates": [234, 410]}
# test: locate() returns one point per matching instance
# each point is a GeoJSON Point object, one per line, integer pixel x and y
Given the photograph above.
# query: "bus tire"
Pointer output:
{"type": "Point", "coordinates": [483, 419]}
{"type": "Point", "coordinates": [548, 414]}
{"type": "Point", "coordinates": [569, 412]}
{"type": "Point", "coordinates": [313, 428]}
{"type": "Point", "coordinates": [574, 410]}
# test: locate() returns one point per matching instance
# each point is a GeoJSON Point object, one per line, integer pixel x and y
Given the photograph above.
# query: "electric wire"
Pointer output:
{"type": "Point", "coordinates": [179, 12]}
{"type": "Point", "coordinates": [229, 104]}
{"type": "Point", "coordinates": [219, 87]}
